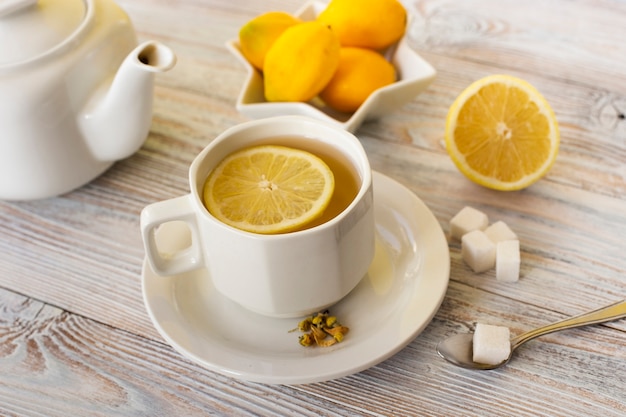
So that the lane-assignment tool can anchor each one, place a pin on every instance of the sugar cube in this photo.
(467, 220)
(500, 231)
(507, 261)
(491, 344)
(478, 251)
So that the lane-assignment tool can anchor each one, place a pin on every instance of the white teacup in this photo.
(281, 275)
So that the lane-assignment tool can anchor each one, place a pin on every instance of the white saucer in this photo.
(395, 301)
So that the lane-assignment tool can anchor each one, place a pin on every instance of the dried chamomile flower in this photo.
(305, 325)
(306, 339)
(318, 328)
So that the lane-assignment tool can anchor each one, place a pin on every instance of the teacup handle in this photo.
(153, 216)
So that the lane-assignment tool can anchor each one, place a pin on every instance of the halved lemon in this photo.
(501, 133)
(269, 189)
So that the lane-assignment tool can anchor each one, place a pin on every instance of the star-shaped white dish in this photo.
(414, 75)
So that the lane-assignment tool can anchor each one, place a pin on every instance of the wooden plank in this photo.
(49, 356)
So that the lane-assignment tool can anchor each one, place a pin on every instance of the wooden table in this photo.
(75, 338)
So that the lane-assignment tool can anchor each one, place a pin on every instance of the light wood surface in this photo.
(75, 337)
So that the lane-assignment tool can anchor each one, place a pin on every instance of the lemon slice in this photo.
(501, 133)
(269, 189)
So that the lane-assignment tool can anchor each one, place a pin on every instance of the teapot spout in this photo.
(117, 118)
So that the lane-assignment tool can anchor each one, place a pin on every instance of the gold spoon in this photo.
(458, 349)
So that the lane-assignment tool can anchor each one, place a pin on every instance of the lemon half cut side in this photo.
(501, 133)
(269, 189)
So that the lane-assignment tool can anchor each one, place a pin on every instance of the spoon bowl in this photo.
(458, 349)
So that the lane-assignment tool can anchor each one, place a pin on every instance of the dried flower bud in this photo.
(306, 339)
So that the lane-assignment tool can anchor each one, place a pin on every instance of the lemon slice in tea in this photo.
(501, 133)
(269, 189)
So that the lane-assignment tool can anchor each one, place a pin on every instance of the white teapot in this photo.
(75, 93)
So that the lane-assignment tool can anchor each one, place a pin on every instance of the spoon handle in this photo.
(601, 315)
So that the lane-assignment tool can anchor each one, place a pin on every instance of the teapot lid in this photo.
(32, 28)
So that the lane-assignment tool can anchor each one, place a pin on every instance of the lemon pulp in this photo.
(501, 133)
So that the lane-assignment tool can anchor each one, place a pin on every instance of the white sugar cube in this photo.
(491, 344)
(467, 220)
(478, 251)
(507, 261)
(500, 231)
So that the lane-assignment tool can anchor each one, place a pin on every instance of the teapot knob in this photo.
(10, 6)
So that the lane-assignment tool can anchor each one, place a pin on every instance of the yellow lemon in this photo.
(373, 24)
(258, 35)
(360, 72)
(501, 133)
(300, 62)
(269, 189)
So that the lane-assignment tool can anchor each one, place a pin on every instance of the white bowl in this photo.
(414, 75)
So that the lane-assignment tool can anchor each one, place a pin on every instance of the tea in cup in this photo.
(290, 273)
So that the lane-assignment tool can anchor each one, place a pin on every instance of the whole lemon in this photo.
(360, 72)
(373, 24)
(300, 62)
(258, 35)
